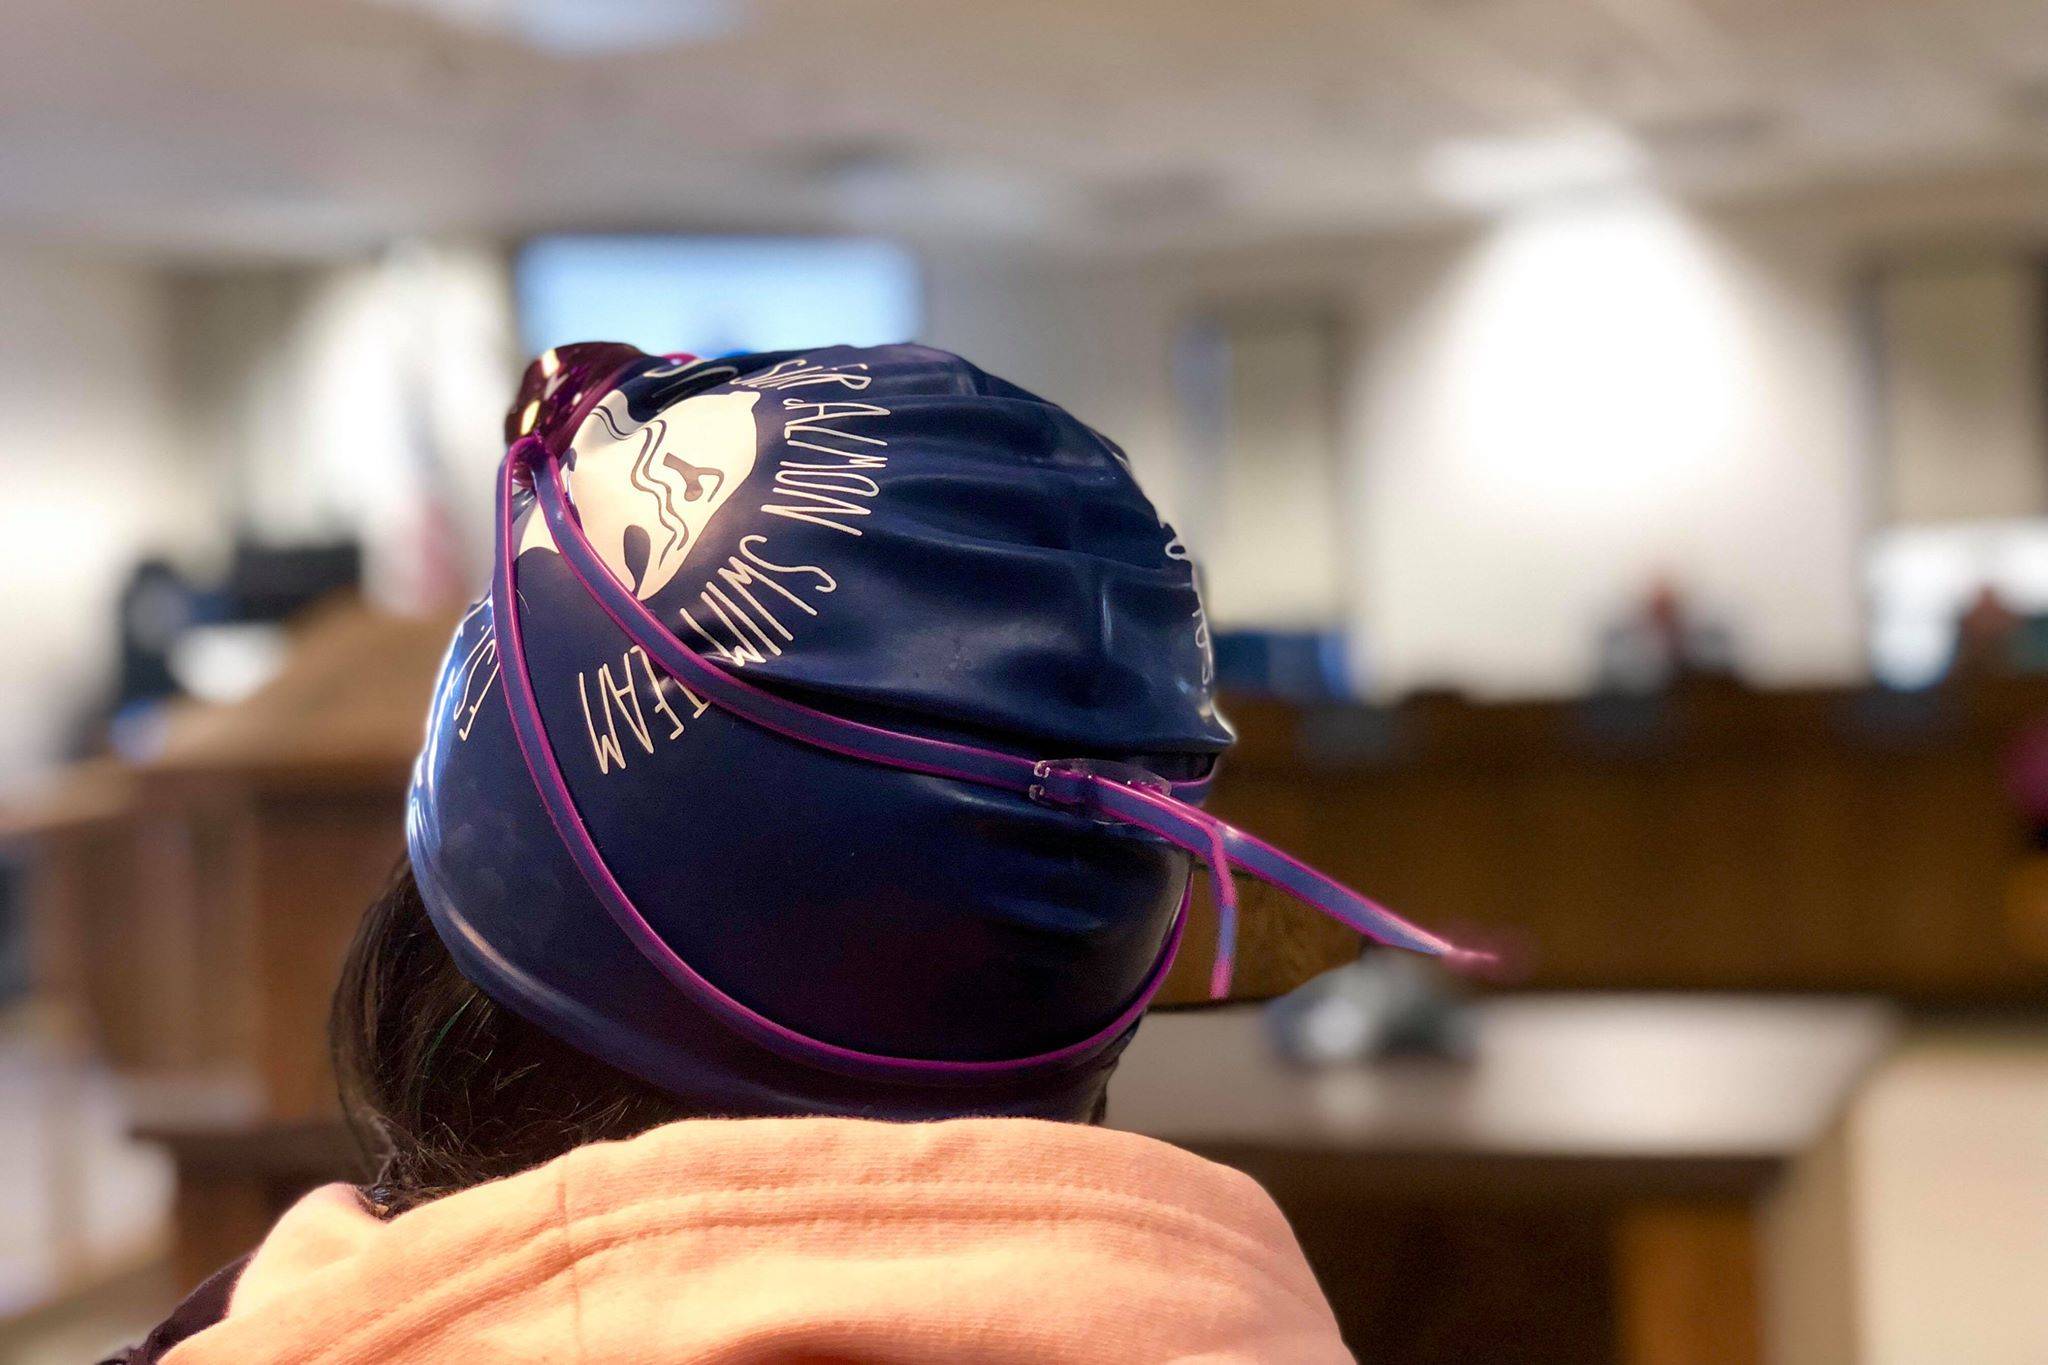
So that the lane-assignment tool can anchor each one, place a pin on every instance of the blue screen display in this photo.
(715, 295)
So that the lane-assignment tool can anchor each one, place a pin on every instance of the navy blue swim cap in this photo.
(891, 535)
(832, 739)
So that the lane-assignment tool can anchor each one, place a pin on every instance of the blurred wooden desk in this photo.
(1644, 1179)
(1710, 838)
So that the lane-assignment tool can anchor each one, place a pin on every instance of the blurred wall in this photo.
(1538, 416)
(1962, 353)
(156, 409)
(1579, 402)
(1541, 416)
(98, 473)
(359, 399)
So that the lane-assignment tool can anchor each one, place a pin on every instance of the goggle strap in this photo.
(1102, 790)
(537, 751)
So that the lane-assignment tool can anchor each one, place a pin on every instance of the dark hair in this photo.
(445, 1089)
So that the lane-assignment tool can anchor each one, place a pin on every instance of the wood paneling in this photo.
(1710, 839)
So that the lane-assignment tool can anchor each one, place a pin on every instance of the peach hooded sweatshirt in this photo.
(806, 1239)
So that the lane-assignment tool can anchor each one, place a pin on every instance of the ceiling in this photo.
(233, 126)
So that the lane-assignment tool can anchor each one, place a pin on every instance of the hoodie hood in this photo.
(797, 1239)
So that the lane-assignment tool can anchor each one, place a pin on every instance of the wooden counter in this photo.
(1715, 838)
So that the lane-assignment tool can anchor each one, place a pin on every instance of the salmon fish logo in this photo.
(646, 491)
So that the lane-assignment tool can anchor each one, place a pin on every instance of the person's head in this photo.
(830, 741)
(888, 536)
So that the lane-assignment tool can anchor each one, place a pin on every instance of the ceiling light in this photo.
(587, 28)
(1492, 172)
